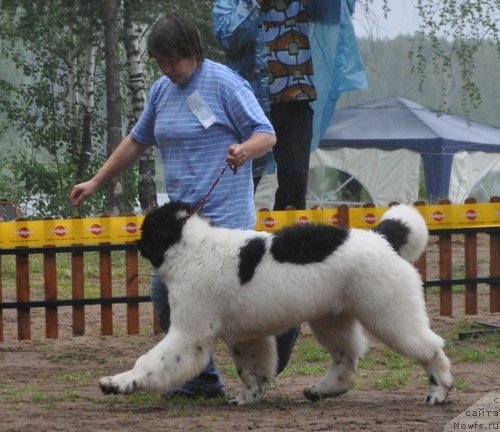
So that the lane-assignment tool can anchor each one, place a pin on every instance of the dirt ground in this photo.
(51, 385)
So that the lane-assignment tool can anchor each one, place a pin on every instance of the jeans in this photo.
(292, 122)
(159, 297)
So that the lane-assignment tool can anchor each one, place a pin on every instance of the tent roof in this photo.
(394, 122)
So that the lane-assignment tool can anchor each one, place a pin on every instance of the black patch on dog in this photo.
(395, 231)
(433, 380)
(250, 256)
(308, 243)
(161, 229)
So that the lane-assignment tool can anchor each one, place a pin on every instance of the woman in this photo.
(199, 115)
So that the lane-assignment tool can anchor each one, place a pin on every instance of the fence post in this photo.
(77, 290)
(132, 275)
(106, 292)
(23, 295)
(445, 271)
(495, 266)
(50, 281)
(470, 268)
(343, 215)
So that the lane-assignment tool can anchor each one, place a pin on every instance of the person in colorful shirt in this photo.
(200, 114)
(266, 41)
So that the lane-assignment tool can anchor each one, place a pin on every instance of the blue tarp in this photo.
(338, 66)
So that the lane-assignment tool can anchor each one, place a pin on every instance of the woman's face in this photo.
(179, 71)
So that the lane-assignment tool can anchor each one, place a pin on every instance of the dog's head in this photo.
(161, 229)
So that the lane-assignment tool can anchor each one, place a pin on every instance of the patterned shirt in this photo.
(289, 54)
(193, 125)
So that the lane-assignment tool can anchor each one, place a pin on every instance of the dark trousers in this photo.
(292, 122)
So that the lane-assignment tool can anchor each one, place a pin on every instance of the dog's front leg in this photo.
(177, 358)
(256, 363)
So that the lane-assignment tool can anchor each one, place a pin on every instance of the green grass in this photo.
(141, 398)
(488, 349)
(483, 348)
(309, 358)
(77, 377)
(461, 384)
(45, 398)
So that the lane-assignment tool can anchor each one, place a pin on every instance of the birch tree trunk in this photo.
(115, 199)
(73, 103)
(88, 114)
(136, 99)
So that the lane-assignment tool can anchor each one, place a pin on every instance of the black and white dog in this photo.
(245, 286)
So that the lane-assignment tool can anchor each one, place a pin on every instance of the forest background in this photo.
(74, 78)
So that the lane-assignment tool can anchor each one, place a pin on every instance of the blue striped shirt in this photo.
(194, 156)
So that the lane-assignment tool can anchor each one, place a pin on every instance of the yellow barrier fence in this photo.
(126, 229)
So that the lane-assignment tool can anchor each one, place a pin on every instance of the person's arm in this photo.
(127, 152)
(235, 23)
(256, 146)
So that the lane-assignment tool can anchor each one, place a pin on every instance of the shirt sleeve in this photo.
(245, 113)
(143, 131)
(235, 23)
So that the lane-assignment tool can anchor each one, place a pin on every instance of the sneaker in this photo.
(205, 386)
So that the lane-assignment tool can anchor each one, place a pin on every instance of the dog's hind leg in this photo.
(256, 363)
(176, 359)
(343, 337)
(402, 324)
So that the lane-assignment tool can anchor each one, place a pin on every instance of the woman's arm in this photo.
(127, 152)
(235, 23)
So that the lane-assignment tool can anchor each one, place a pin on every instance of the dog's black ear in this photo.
(161, 229)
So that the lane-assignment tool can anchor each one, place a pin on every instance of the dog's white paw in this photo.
(117, 384)
(439, 387)
(437, 395)
(250, 394)
(235, 400)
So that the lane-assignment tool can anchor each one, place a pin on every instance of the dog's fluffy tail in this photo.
(404, 228)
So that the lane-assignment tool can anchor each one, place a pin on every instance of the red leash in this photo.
(199, 206)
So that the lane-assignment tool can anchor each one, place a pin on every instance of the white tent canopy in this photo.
(393, 175)
(384, 144)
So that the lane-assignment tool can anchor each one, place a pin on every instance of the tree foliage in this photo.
(451, 34)
(62, 129)
(390, 73)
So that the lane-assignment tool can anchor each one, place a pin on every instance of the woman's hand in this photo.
(82, 191)
(256, 146)
(237, 155)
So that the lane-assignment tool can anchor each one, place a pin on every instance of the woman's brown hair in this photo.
(175, 37)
